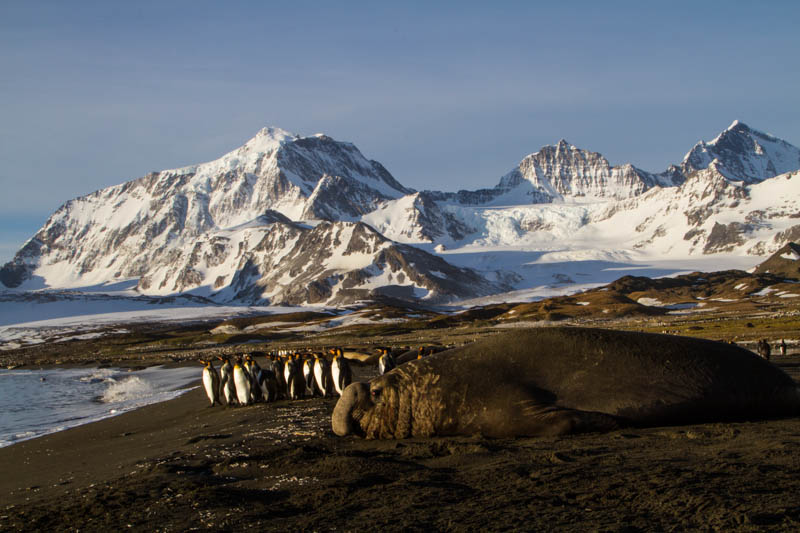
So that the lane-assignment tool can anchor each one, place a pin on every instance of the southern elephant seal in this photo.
(550, 381)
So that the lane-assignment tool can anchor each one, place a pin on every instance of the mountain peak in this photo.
(737, 130)
(564, 170)
(743, 154)
(564, 145)
(274, 133)
(736, 125)
(270, 138)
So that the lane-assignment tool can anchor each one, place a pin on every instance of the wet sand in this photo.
(181, 465)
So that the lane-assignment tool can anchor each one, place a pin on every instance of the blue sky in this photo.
(447, 97)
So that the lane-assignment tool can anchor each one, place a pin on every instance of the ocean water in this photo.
(37, 402)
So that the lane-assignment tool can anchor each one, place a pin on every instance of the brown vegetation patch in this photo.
(301, 317)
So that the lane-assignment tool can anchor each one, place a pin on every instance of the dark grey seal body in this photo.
(550, 381)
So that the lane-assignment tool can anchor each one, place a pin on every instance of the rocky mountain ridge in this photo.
(265, 222)
(743, 154)
(585, 184)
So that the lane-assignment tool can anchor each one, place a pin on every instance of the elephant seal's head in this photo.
(403, 403)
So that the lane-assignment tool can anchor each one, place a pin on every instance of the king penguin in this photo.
(322, 376)
(211, 382)
(295, 385)
(253, 371)
(386, 361)
(226, 381)
(340, 372)
(279, 365)
(242, 381)
(268, 382)
(308, 376)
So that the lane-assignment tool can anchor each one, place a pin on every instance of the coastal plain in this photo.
(181, 465)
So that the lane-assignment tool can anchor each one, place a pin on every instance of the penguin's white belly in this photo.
(242, 386)
(230, 391)
(336, 374)
(318, 377)
(208, 384)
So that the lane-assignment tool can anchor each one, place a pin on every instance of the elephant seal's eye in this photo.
(376, 392)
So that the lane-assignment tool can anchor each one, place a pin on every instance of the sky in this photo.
(446, 95)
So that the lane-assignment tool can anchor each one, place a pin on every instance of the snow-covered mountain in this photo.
(743, 154)
(560, 189)
(225, 229)
(710, 215)
(127, 230)
(291, 220)
(565, 171)
(285, 263)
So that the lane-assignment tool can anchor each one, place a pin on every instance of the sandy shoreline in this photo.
(179, 465)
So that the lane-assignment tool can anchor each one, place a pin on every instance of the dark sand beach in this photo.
(180, 465)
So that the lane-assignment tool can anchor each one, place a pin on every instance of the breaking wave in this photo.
(85, 395)
(126, 390)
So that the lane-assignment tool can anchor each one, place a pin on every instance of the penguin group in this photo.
(240, 380)
(388, 361)
(290, 375)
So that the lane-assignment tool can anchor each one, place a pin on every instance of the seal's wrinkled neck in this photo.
(380, 409)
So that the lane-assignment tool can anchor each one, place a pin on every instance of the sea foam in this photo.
(129, 389)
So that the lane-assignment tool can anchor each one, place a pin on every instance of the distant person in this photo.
(764, 349)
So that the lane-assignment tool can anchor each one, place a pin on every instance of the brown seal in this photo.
(550, 381)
